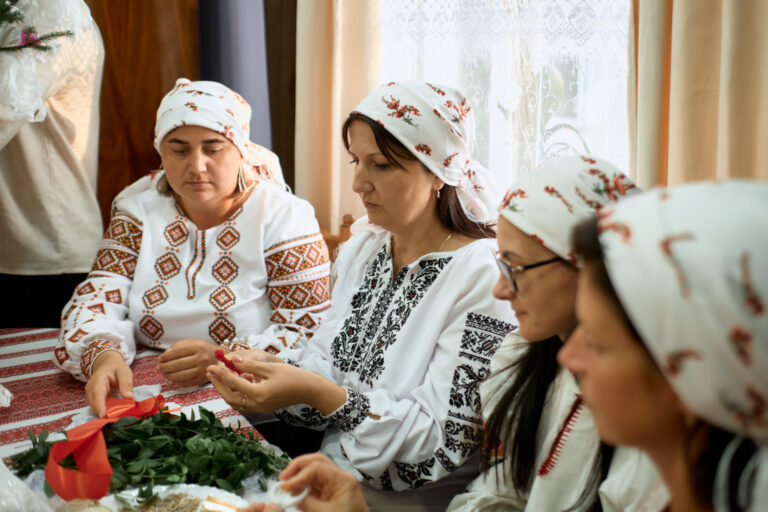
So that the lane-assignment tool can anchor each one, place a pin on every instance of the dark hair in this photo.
(449, 209)
(515, 418)
(703, 464)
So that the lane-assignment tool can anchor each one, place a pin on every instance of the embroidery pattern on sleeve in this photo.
(307, 417)
(352, 413)
(298, 286)
(463, 428)
(121, 245)
(92, 351)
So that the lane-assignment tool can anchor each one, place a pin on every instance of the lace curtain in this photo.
(546, 77)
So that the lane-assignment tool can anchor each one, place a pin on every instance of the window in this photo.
(545, 77)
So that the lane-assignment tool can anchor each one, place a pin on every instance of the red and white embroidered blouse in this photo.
(260, 276)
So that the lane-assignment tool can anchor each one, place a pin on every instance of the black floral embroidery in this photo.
(385, 481)
(344, 347)
(414, 474)
(352, 413)
(307, 417)
(463, 428)
(360, 345)
(489, 325)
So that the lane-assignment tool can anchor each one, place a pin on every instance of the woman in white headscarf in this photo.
(392, 376)
(672, 348)
(541, 450)
(210, 252)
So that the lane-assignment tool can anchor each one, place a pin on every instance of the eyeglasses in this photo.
(509, 271)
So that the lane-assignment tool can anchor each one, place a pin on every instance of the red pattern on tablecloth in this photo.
(25, 338)
(21, 369)
(19, 434)
(25, 353)
(38, 400)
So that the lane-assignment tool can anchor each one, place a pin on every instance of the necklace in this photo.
(395, 264)
(445, 241)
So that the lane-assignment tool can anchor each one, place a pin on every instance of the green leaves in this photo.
(24, 463)
(165, 449)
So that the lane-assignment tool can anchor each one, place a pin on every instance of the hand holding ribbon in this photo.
(87, 445)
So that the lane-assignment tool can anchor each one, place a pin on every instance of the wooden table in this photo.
(45, 398)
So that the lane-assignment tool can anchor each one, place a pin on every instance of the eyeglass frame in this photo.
(508, 270)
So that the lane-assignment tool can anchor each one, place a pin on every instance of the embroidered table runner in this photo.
(44, 398)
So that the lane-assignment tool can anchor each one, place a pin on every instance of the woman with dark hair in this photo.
(541, 450)
(672, 348)
(392, 375)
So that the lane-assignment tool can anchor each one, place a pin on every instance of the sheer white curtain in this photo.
(545, 77)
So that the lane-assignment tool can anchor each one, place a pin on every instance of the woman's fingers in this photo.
(176, 364)
(96, 392)
(228, 394)
(124, 377)
(294, 475)
(256, 368)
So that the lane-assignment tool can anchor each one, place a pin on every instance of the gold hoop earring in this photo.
(438, 193)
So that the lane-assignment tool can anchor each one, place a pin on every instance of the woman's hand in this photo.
(109, 374)
(274, 386)
(185, 362)
(255, 355)
(331, 489)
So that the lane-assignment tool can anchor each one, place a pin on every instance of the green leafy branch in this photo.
(164, 449)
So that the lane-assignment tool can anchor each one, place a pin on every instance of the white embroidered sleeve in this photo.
(95, 318)
(298, 269)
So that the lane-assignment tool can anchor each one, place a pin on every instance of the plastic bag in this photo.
(15, 496)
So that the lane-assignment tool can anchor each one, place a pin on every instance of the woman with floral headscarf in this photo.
(392, 375)
(672, 348)
(541, 450)
(211, 252)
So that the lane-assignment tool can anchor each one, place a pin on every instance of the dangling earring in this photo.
(438, 193)
(241, 185)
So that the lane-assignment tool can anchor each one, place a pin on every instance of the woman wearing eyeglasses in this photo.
(542, 451)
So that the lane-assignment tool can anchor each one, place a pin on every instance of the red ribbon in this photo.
(86, 444)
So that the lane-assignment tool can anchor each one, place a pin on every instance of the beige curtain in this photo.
(337, 49)
(698, 90)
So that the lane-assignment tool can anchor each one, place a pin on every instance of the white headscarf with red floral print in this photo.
(690, 266)
(547, 202)
(215, 106)
(437, 125)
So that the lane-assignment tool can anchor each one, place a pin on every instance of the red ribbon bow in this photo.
(86, 444)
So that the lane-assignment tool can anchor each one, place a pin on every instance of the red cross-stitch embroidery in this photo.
(154, 296)
(125, 230)
(299, 295)
(151, 328)
(296, 259)
(225, 270)
(115, 261)
(114, 296)
(167, 266)
(228, 238)
(221, 329)
(176, 233)
(222, 298)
